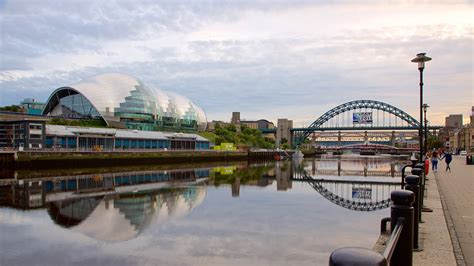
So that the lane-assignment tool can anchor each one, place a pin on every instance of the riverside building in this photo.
(30, 135)
(122, 101)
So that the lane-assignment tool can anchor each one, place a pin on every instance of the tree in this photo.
(434, 142)
(11, 108)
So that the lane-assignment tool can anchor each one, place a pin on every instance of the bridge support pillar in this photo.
(366, 137)
(339, 138)
(283, 133)
(392, 138)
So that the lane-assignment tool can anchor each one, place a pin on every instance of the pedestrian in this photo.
(434, 161)
(448, 158)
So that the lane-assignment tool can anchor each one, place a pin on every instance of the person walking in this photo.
(448, 157)
(434, 161)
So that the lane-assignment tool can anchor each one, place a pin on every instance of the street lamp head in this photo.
(421, 58)
(425, 106)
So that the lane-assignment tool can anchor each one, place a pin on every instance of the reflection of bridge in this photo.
(364, 167)
(358, 195)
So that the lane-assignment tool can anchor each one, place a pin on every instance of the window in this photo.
(35, 136)
(35, 126)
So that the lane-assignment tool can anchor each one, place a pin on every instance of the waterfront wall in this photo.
(67, 159)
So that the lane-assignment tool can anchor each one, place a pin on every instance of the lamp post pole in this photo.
(421, 59)
(425, 107)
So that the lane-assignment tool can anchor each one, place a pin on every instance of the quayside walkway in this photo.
(447, 233)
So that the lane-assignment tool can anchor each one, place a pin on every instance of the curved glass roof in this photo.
(116, 95)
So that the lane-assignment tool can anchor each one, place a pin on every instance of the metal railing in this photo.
(399, 249)
(393, 241)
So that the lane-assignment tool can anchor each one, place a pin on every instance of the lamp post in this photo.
(425, 107)
(421, 59)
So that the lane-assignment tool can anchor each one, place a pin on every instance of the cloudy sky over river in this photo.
(267, 59)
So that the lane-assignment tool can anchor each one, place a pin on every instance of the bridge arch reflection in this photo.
(356, 195)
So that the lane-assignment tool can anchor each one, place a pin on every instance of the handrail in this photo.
(393, 241)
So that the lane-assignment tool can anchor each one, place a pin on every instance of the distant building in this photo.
(211, 126)
(32, 106)
(453, 121)
(235, 120)
(258, 124)
(459, 137)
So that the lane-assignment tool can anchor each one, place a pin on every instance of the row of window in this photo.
(125, 180)
(108, 143)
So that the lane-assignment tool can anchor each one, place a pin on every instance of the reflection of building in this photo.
(124, 216)
(54, 189)
(283, 174)
(24, 195)
(123, 101)
(111, 206)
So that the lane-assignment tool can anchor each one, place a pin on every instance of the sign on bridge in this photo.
(362, 118)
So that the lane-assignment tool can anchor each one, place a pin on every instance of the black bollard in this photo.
(420, 172)
(357, 257)
(402, 201)
(413, 182)
(417, 171)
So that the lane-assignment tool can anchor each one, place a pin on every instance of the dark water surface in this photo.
(229, 214)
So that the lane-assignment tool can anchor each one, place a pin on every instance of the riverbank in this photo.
(78, 159)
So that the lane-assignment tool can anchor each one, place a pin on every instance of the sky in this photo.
(266, 59)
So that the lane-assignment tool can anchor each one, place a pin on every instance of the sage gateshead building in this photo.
(122, 101)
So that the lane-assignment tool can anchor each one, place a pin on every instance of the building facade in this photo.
(22, 134)
(32, 106)
(459, 137)
(27, 135)
(123, 101)
(454, 121)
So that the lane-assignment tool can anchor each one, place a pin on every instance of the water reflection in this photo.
(360, 166)
(124, 216)
(198, 216)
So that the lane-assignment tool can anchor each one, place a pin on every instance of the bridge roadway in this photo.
(335, 172)
(362, 128)
(334, 181)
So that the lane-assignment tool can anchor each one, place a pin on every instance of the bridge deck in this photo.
(335, 181)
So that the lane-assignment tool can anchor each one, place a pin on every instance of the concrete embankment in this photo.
(66, 159)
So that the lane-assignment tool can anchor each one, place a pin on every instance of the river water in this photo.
(268, 213)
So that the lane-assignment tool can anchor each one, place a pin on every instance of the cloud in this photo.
(269, 59)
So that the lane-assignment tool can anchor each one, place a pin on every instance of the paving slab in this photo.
(457, 191)
(434, 235)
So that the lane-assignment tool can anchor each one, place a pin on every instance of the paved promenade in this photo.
(457, 193)
(447, 234)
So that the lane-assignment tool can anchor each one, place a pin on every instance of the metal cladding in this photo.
(116, 97)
